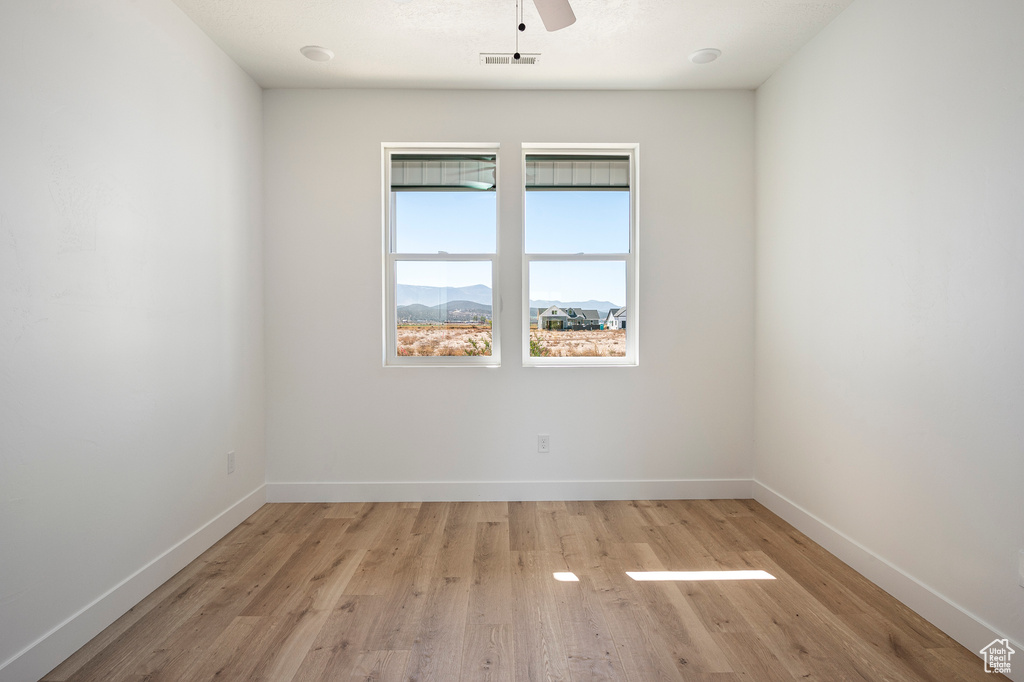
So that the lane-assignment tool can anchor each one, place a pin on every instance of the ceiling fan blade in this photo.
(555, 14)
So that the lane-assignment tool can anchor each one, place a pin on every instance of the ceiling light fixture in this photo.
(317, 53)
(705, 56)
(556, 14)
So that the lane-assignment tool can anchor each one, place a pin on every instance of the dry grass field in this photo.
(596, 343)
(449, 340)
(454, 340)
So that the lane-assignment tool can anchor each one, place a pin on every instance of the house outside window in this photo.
(580, 260)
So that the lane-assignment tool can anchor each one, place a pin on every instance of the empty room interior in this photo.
(219, 461)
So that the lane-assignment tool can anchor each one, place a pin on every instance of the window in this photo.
(579, 255)
(441, 237)
(580, 260)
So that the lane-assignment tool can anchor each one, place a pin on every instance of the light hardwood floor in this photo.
(464, 591)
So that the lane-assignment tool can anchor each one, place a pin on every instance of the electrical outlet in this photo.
(231, 462)
(1020, 568)
(543, 444)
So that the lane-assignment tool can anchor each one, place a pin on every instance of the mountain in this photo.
(410, 294)
(463, 298)
(417, 313)
(453, 311)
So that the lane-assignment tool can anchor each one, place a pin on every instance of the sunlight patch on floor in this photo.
(700, 575)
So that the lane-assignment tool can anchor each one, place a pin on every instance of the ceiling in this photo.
(614, 44)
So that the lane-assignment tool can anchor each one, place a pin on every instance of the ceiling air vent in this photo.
(506, 58)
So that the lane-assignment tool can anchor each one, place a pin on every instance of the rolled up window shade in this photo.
(544, 172)
(427, 172)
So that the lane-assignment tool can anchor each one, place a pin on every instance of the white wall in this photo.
(335, 415)
(890, 292)
(889, 307)
(130, 308)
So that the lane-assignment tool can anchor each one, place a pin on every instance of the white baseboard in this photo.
(500, 491)
(51, 649)
(954, 620)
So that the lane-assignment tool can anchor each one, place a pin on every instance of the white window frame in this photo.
(631, 259)
(390, 257)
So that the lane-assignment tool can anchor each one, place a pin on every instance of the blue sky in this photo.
(578, 281)
(574, 222)
(456, 222)
(556, 222)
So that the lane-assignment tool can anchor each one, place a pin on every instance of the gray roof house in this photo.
(616, 318)
(557, 317)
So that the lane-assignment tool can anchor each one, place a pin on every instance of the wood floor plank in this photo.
(522, 526)
(379, 666)
(285, 585)
(589, 646)
(751, 657)
(586, 551)
(679, 550)
(904, 650)
(734, 508)
(670, 614)
(344, 510)
(224, 659)
(375, 574)
(341, 641)
(283, 659)
(451, 591)
(262, 523)
(492, 511)
(435, 654)
(640, 649)
(715, 532)
(616, 521)
(455, 556)
(397, 622)
(487, 654)
(491, 586)
(441, 630)
(591, 652)
(832, 593)
(583, 559)
(953, 665)
(431, 517)
(655, 512)
(298, 518)
(550, 516)
(365, 530)
(539, 645)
